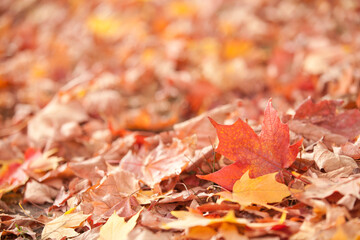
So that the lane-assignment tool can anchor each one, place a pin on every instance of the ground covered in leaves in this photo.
(153, 119)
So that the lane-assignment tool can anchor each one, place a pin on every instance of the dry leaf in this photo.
(39, 193)
(159, 164)
(330, 161)
(351, 149)
(116, 228)
(321, 188)
(46, 124)
(261, 190)
(323, 114)
(187, 220)
(63, 226)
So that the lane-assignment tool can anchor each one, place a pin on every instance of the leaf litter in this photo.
(105, 130)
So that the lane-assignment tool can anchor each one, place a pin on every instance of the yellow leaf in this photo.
(63, 226)
(116, 228)
(187, 220)
(201, 232)
(104, 26)
(235, 48)
(230, 232)
(182, 9)
(339, 235)
(261, 190)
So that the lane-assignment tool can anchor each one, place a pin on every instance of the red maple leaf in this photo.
(260, 154)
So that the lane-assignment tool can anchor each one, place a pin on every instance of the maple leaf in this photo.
(117, 228)
(64, 226)
(187, 220)
(260, 154)
(261, 190)
(160, 163)
(113, 193)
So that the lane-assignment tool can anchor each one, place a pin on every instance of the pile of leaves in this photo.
(151, 119)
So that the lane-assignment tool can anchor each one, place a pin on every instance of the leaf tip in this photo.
(213, 122)
(269, 105)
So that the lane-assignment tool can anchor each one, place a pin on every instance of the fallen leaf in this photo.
(261, 190)
(39, 193)
(46, 124)
(201, 233)
(338, 173)
(321, 188)
(92, 169)
(41, 162)
(116, 228)
(113, 193)
(12, 175)
(330, 161)
(324, 114)
(200, 125)
(316, 133)
(188, 220)
(104, 26)
(161, 163)
(351, 149)
(230, 232)
(330, 227)
(63, 226)
(236, 48)
(317, 112)
(15, 173)
(269, 152)
(102, 103)
(141, 233)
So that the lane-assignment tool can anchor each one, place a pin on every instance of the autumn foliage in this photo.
(150, 119)
(269, 152)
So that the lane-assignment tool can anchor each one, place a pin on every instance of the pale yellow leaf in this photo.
(63, 226)
(116, 228)
(103, 26)
(229, 232)
(187, 220)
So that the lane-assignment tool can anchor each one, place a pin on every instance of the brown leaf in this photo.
(39, 193)
(92, 169)
(315, 133)
(161, 163)
(45, 125)
(330, 161)
(323, 114)
(200, 125)
(351, 149)
(320, 188)
(112, 194)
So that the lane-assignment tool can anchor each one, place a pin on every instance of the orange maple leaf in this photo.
(260, 154)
